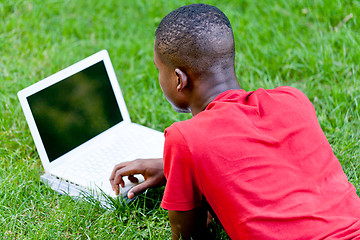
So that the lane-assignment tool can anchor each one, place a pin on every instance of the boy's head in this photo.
(194, 52)
(195, 37)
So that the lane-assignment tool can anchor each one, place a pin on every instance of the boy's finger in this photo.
(117, 179)
(138, 189)
(118, 167)
(129, 170)
(116, 188)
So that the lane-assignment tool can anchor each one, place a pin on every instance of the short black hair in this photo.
(195, 37)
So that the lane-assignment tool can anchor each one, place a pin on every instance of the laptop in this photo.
(82, 129)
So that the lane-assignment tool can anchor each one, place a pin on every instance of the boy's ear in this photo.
(182, 79)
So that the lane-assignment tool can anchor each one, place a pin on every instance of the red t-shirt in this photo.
(265, 167)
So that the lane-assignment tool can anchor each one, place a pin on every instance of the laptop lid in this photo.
(72, 106)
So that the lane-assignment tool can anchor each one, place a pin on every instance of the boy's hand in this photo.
(151, 169)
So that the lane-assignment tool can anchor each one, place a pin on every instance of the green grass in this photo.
(311, 45)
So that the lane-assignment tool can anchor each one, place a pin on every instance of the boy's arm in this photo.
(189, 224)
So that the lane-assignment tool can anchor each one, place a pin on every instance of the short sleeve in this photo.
(182, 192)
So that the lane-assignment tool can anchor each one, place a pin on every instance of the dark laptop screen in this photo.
(74, 110)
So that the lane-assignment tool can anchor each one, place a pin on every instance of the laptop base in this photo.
(64, 187)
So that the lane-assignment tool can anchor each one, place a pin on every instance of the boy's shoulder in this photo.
(240, 95)
(222, 108)
(290, 90)
(219, 107)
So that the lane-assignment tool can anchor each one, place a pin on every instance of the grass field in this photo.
(311, 45)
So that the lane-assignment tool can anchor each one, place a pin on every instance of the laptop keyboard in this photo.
(96, 164)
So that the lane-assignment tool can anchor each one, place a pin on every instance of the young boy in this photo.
(259, 159)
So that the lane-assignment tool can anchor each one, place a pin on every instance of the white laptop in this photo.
(81, 128)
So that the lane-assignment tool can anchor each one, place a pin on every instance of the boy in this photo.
(259, 159)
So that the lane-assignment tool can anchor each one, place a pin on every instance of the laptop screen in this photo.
(74, 110)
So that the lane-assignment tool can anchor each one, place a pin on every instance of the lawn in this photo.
(310, 45)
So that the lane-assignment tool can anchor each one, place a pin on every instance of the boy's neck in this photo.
(209, 86)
